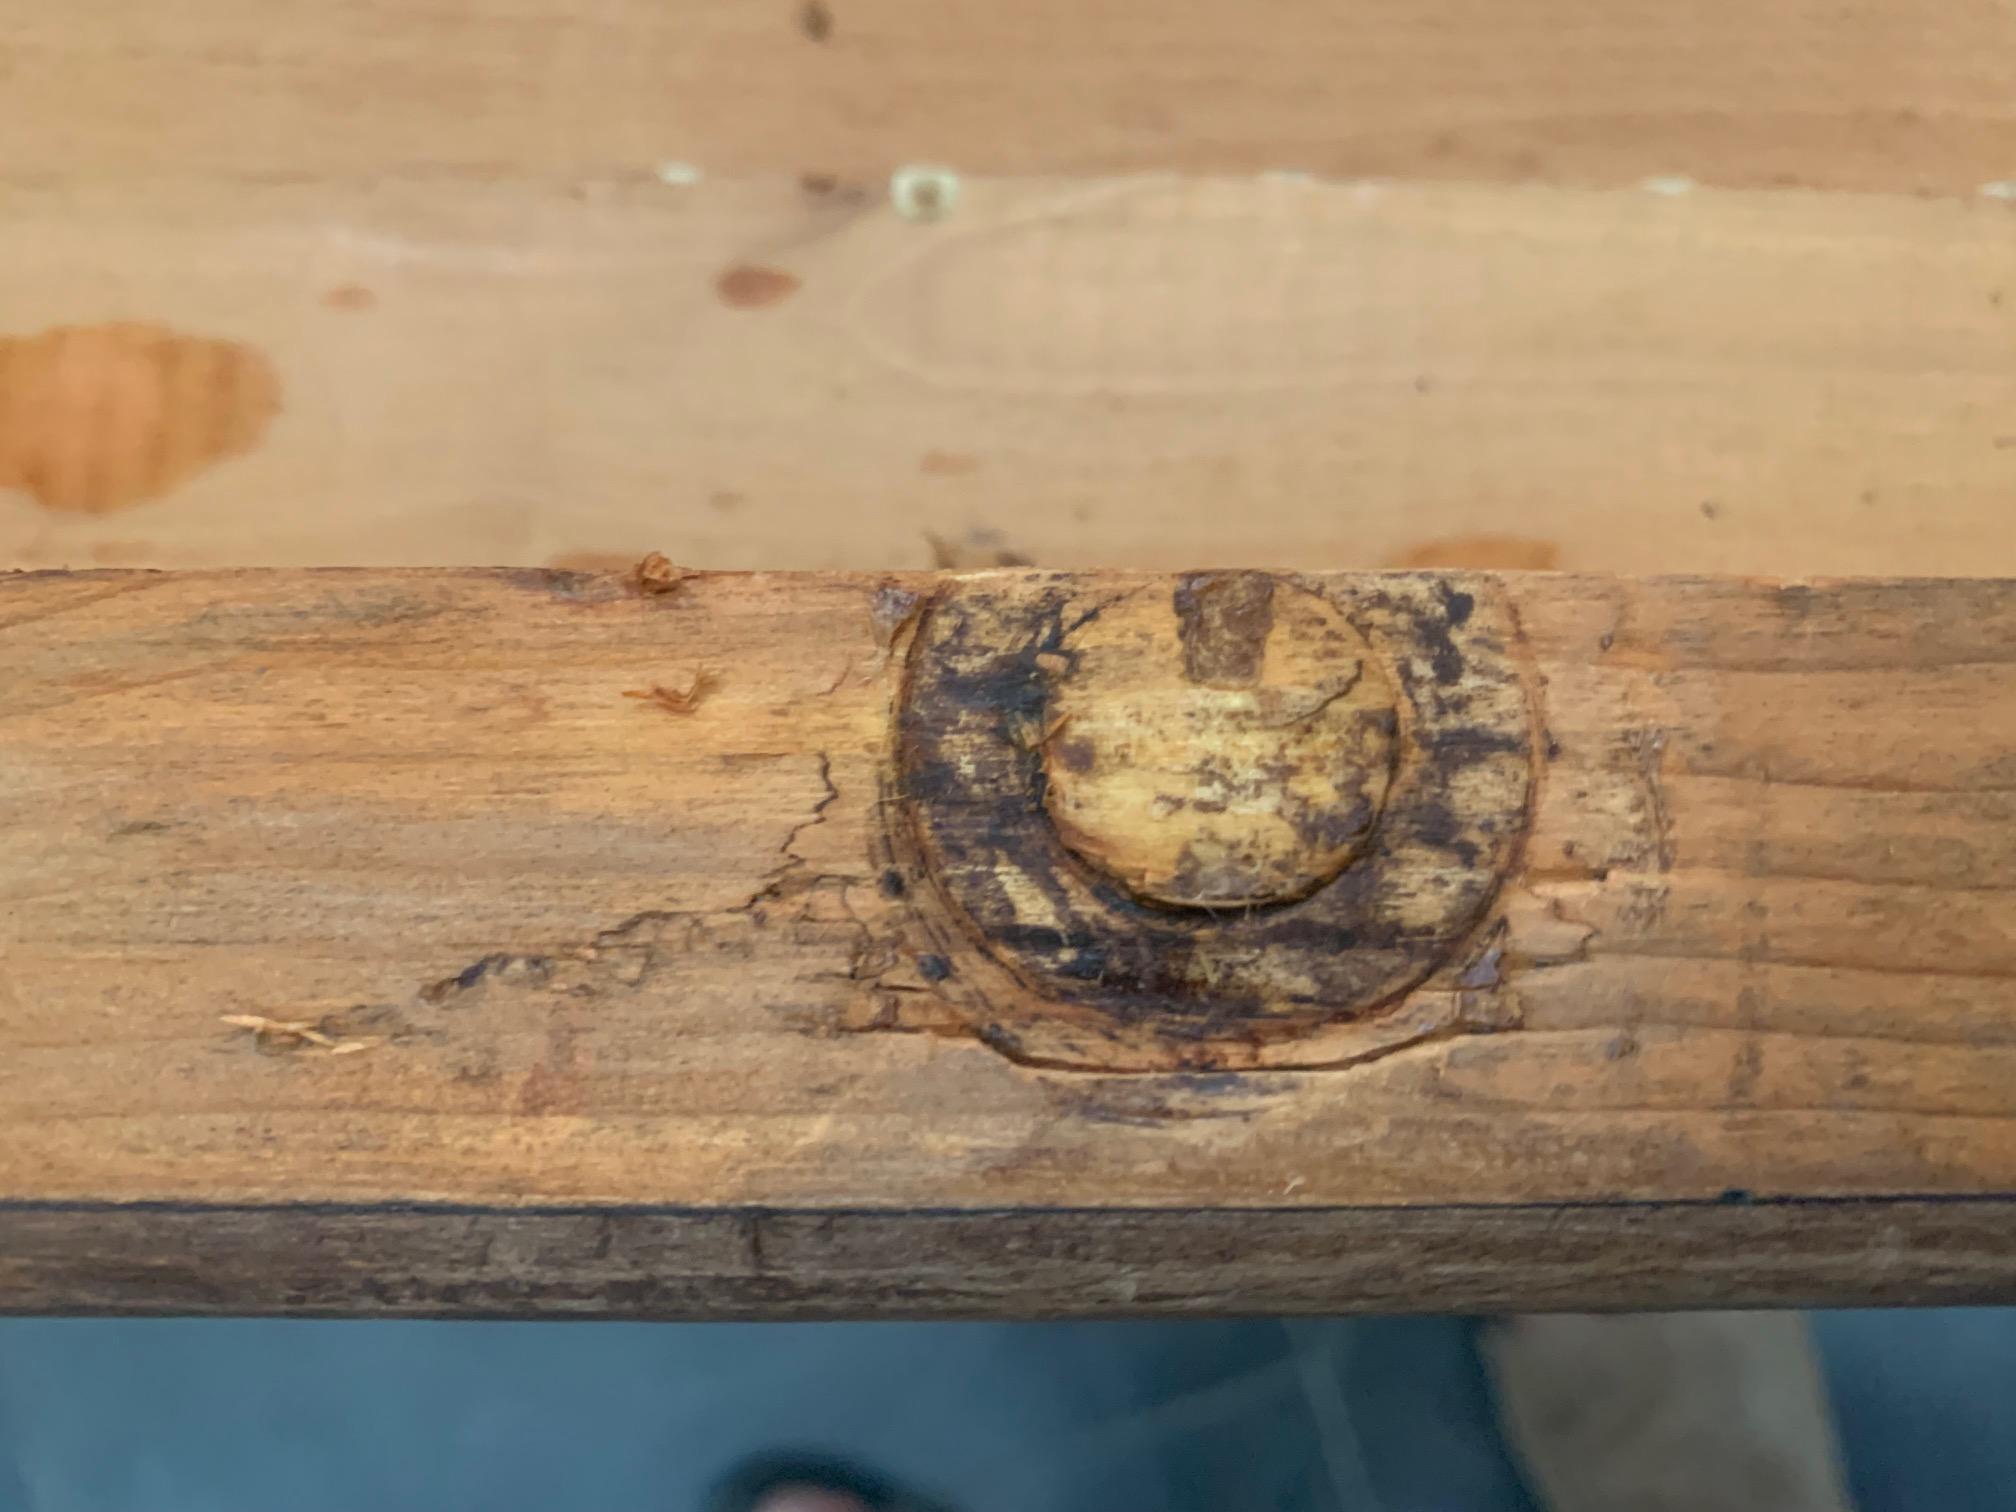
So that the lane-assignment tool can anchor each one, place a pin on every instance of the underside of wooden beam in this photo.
(1016, 942)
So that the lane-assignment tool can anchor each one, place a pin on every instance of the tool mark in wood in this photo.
(1234, 824)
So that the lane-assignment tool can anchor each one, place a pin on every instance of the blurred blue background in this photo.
(1387, 1415)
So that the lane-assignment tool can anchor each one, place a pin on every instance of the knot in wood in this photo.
(1226, 746)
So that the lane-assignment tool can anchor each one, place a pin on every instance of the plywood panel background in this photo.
(1163, 372)
(1606, 287)
(1885, 95)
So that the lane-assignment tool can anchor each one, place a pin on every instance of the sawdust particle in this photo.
(272, 1033)
(657, 574)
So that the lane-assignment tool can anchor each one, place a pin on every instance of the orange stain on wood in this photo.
(1483, 553)
(944, 464)
(350, 297)
(749, 287)
(96, 418)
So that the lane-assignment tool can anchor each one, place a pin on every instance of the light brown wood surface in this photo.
(1160, 373)
(377, 888)
(1760, 92)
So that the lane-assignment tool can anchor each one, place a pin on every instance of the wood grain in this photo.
(1148, 373)
(374, 889)
(1752, 92)
(437, 1261)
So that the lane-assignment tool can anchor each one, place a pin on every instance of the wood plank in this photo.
(1153, 373)
(1751, 92)
(375, 889)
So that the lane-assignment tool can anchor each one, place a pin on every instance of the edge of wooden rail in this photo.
(445, 1260)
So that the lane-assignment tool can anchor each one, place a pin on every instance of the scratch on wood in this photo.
(1650, 748)
(678, 700)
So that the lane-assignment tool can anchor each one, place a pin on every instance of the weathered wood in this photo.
(367, 908)
(395, 1260)
(752, 375)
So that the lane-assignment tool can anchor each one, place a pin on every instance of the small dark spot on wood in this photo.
(1424, 383)
(815, 19)
(749, 287)
(1457, 606)
(893, 885)
(1710, 509)
(1213, 1083)
(1623, 1045)
(1150, 1102)
(1736, 1197)
(1437, 824)
(1484, 973)
(1748, 1069)
(1225, 619)
(350, 297)
(933, 968)
(1796, 601)
(140, 827)
(501, 965)
(980, 548)
(889, 611)
(1553, 747)
(1004, 1041)
(819, 183)
(1075, 755)
(1605, 641)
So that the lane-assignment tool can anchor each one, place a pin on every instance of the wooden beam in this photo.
(676, 944)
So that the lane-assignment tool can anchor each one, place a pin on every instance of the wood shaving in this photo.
(300, 1032)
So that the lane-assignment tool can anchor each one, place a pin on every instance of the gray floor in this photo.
(1383, 1415)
